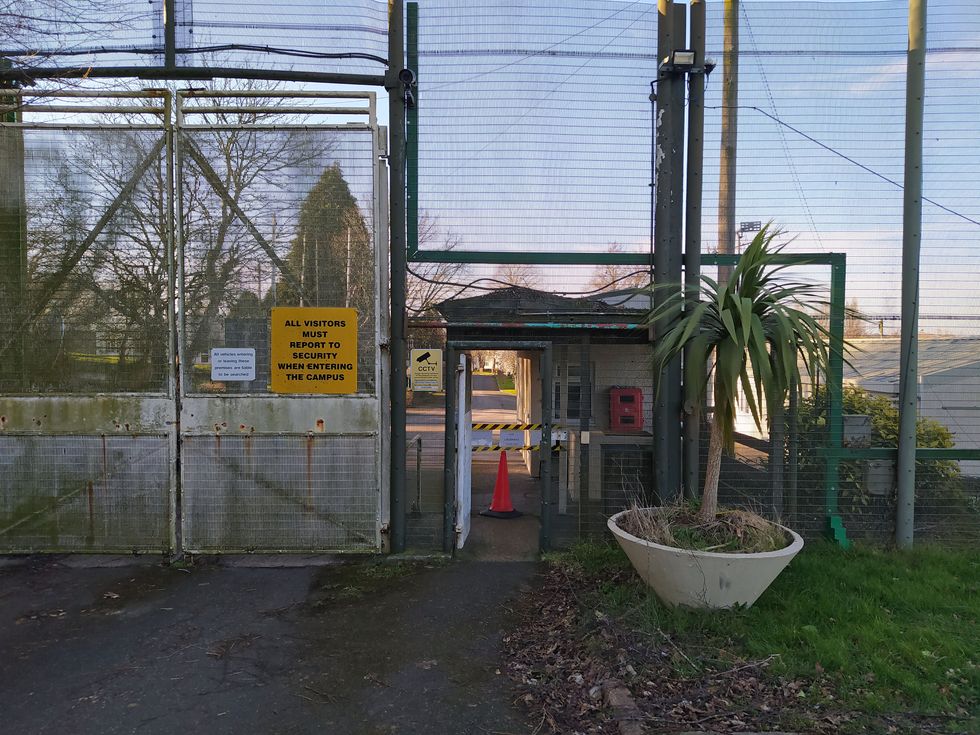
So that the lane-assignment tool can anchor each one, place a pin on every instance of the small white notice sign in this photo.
(233, 364)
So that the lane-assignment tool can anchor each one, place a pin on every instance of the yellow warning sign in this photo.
(427, 370)
(313, 350)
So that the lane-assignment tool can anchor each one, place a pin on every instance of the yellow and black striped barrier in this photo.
(510, 427)
(499, 448)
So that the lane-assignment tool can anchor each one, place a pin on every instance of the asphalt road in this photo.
(365, 649)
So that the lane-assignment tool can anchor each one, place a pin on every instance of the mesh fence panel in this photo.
(83, 32)
(340, 37)
(84, 272)
(309, 195)
(85, 493)
(290, 492)
(546, 113)
(535, 131)
(562, 165)
(425, 459)
(349, 36)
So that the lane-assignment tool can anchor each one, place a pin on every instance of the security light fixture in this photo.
(680, 61)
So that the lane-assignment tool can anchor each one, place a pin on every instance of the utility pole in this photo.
(729, 138)
(908, 391)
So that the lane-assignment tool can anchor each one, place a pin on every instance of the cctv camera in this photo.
(406, 77)
(709, 65)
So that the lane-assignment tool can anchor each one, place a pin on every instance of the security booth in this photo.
(582, 373)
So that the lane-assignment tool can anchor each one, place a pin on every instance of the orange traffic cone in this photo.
(500, 506)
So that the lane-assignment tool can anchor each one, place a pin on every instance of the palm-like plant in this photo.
(754, 332)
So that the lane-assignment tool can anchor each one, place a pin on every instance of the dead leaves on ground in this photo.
(562, 651)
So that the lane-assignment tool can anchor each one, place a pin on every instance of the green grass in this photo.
(887, 631)
(99, 359)
(506, 383)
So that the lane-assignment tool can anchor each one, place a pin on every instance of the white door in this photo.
(464, 450)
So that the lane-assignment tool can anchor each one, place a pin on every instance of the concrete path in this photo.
(490, 539)
(357, 649)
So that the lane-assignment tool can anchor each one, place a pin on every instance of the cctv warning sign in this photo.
(426, 370)
(313, 350)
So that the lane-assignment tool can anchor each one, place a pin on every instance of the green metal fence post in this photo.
(835, 398)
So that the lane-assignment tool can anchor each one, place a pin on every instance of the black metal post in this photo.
(668, 158)
(396, 161)
(693, 408)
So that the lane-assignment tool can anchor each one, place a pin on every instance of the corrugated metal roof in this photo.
(876, 359)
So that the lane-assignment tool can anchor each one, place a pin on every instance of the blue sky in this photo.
(536, 126)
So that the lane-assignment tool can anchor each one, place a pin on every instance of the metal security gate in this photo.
(140, 231)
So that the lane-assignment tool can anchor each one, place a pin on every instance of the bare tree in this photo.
(610, 277)
(855, 325)
(430, 283)
(518, 274)
(233, 182)
(33, 32)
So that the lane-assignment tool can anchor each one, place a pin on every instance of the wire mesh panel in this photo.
(425, 457)
(534, 125)
(280, 493)
(82, 32)
(85, 493)
(603, 400)
(348, 37)
(279, 206)
(273, 214)
(820, 151)
(86, 389)
(84, 270)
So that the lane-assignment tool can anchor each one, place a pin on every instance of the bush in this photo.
(930, 475)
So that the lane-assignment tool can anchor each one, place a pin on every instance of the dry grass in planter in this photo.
(679, 526)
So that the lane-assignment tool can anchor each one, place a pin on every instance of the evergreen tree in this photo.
(331, 258)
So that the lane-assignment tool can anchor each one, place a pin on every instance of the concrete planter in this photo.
(704, 579)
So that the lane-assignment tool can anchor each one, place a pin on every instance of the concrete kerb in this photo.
(624, 710)
(630, 720)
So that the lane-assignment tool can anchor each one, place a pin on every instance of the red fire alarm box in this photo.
(626, 409)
